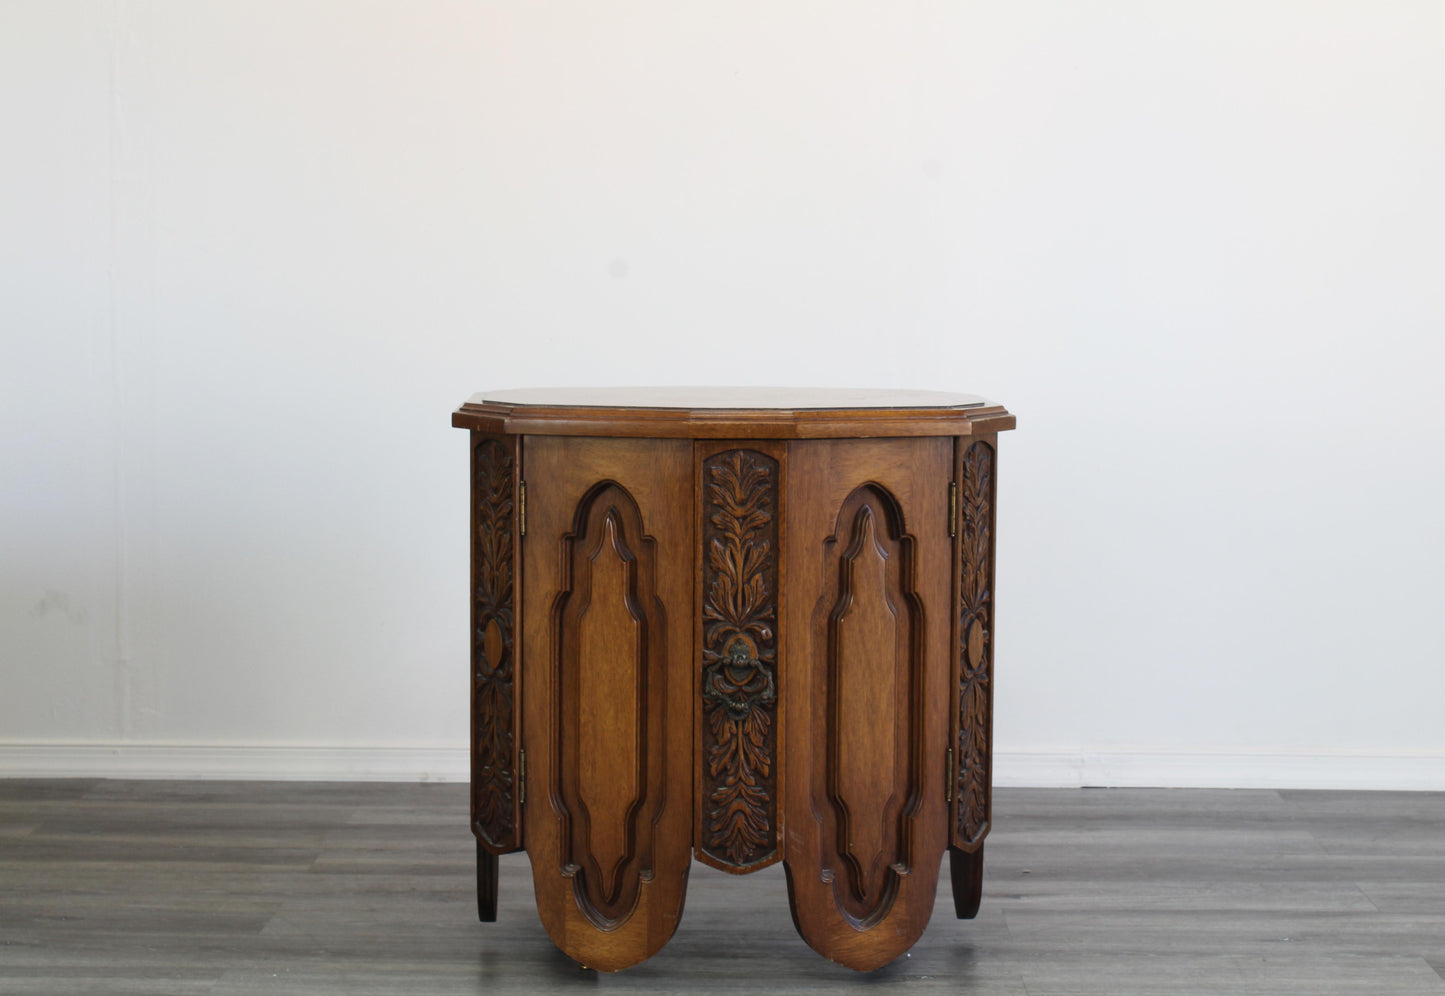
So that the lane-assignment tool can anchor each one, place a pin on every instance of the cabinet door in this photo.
(607, 667)
(865, 690)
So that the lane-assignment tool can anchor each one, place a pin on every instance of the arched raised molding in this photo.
(872, 639)
(608, 649)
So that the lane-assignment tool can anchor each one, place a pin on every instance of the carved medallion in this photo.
(971, 791)
(493, 779)
(739, 689)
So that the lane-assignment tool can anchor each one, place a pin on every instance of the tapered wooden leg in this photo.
(486, 885)
(966, 870)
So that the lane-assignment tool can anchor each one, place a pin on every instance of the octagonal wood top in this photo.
(731, 412)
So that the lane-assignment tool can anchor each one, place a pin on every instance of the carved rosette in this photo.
(493, 780)
(739, 688)
(972, 752)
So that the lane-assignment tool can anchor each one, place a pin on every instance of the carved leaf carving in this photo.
(739, 689)
(976, 651)
(492, 636)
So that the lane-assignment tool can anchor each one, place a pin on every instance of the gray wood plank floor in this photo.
(231, 888)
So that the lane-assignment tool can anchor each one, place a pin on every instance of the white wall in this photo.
(253, 253)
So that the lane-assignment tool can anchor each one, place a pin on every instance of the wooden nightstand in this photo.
(702, 616)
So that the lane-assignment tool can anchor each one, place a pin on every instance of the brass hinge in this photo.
(522, 507)
(953, 508)
(948, 776)
(522, 777)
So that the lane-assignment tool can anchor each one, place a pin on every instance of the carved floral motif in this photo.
(739, 688)
(493, 779)
(972, 752)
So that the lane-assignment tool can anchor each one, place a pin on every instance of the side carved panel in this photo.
(739, 666)
(610, 650)
(972, 749)
(493, 733)
(874, 711)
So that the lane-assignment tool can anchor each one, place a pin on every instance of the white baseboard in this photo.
(280, 763)
(1416, 772)
(1037, 769)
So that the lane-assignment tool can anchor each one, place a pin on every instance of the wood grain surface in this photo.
(739, 414)
(608, 713)
(865, 691)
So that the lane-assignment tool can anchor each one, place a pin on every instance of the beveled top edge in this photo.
(729, 399)
(909, 413)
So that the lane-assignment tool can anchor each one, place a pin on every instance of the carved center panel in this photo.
(739, 667)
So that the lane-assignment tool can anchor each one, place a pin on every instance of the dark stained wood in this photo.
(965, 869)
(608, 558)
(865, 691)
(495, 809)
(486, 884)
(759, 634)
(740, 518)
(972, 727)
